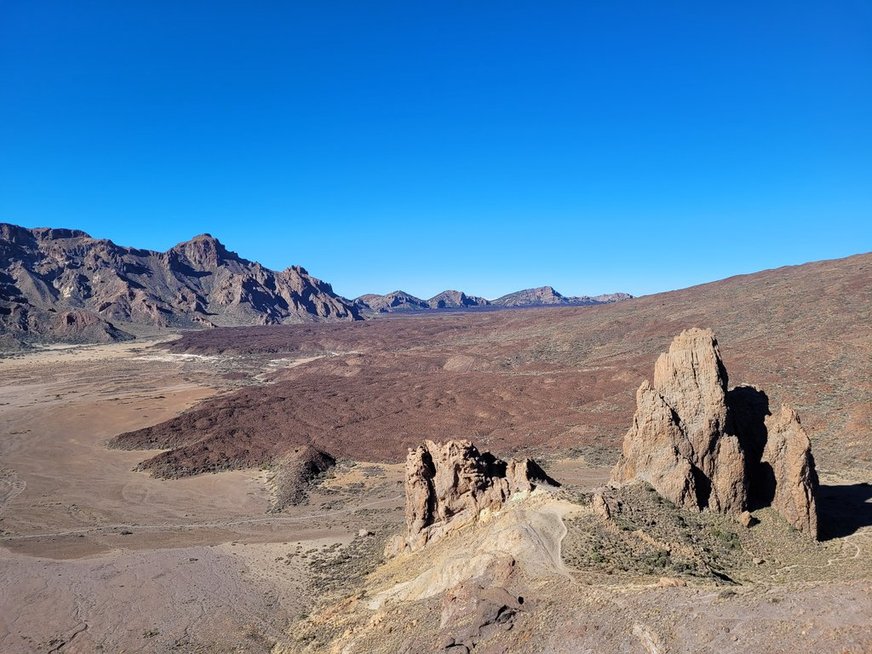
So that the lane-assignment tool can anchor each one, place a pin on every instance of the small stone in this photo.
(758, 561)
(746, 519)
(601, 507)
(364, 533)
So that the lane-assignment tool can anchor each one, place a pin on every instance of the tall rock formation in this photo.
(788, 455)
(449, 484)
(657, 450)
(702, 446)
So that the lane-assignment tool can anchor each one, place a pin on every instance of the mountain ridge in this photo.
(110, 288)
(401, 301)
(60, 284)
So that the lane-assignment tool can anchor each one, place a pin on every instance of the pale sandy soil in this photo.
(97, 557)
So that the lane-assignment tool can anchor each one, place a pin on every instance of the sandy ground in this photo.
(97, 557)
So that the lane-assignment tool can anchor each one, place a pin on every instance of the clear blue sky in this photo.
(486, 146)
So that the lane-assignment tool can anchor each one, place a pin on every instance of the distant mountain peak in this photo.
(198, 282)
(204, 251)
(547, 295)
(531, 297)
(452, 299)
(390, 302)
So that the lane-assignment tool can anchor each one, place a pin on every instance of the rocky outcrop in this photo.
(656, 450)
(389, 303)
(21, 324)
(546, 296)
(788, 456)
(294, 473)
(99, 287)
(703, 446)
(456, 300)
(449, 484)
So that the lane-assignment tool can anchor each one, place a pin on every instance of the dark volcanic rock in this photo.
(97, 285)
(22, 324)
(396, 301)
(295, 472)
(547, 296)
(456, 300)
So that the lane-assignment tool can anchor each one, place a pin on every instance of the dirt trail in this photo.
(215, 524)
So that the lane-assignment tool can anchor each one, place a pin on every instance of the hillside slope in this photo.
(543, 381)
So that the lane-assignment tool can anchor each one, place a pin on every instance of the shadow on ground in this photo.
(842, 510)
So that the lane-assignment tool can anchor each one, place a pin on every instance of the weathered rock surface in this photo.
(294, 473)
(546, 295)
(93, 285)
(449, 484)
(456, 300)
(389, 303)
(21, 323)
(702, 446)
(658, 451)
(788, 456)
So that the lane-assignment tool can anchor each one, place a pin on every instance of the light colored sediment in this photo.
(109, 557)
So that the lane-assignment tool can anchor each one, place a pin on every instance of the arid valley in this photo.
(160, 494)
(435, 328)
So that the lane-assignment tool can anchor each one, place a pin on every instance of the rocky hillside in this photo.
(389, 303)
(544, 296)
(399, 301)
(61, 284)
(456, 300)
(547, 296)
(64, 285)
(549, 380)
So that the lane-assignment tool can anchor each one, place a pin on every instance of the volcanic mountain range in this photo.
(64, 285)
(398, 301)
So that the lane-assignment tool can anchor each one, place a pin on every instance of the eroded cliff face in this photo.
(46, 272)
(702, 445)
(449, 484)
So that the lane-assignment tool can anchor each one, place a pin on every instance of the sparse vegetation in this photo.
(648, 535)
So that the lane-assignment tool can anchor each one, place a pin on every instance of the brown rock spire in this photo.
(449, 484)
(699, 445)
(788, 455)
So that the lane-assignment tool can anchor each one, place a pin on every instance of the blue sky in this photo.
(486, 146)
